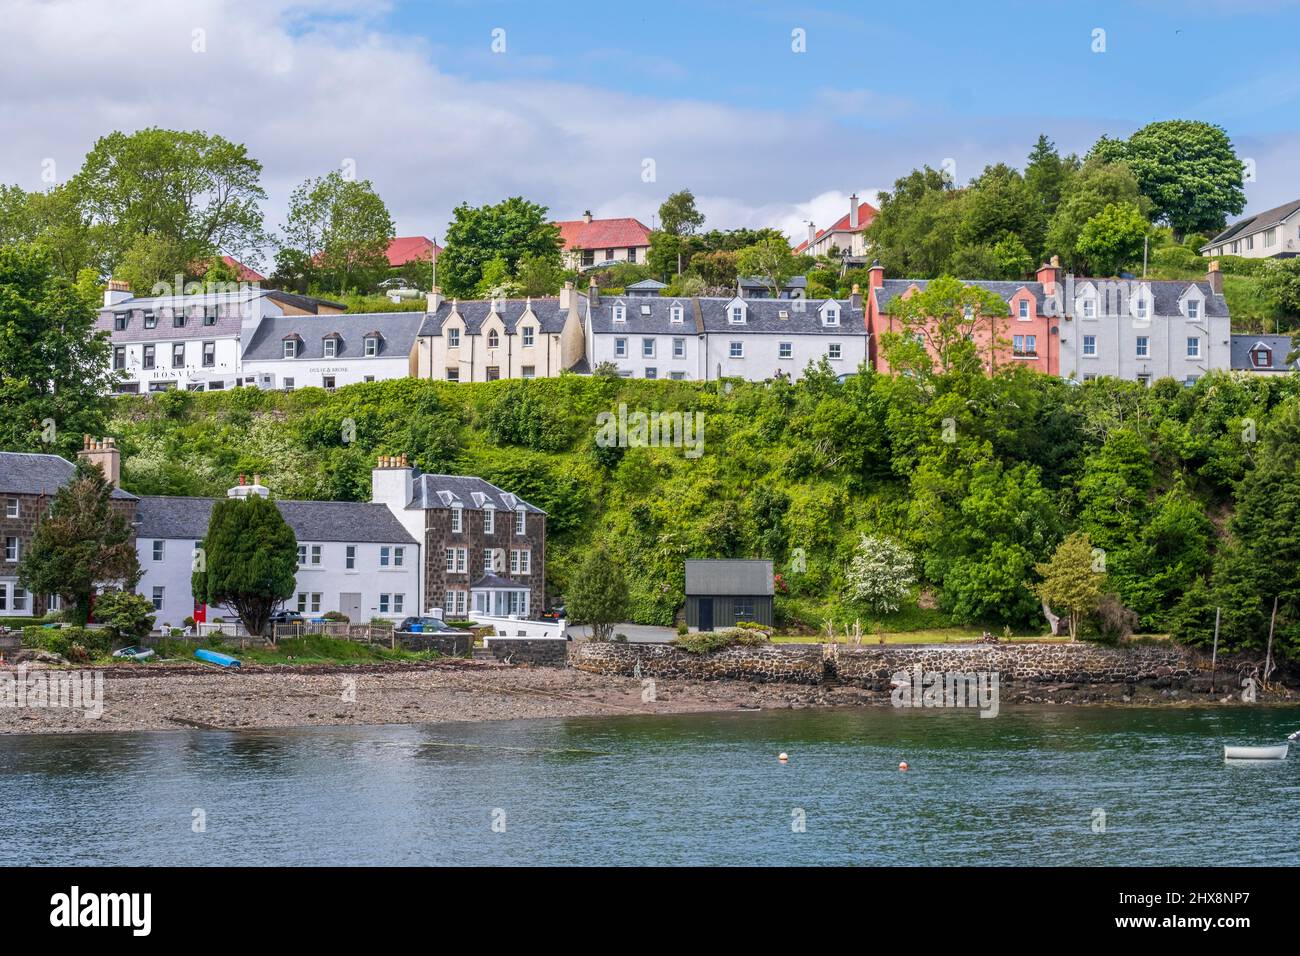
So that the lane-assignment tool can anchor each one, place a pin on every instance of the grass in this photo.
(941, 635)
(310, 649)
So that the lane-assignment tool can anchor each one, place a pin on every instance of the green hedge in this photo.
(94, 642)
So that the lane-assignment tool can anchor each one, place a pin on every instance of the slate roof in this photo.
(765, 316)
(349, 521)
(658, 320)
(603, 233)
(496, 581)
(397, 331)
(473, 494)
(754, 282)
(1165, 293)
(654, 284)
(22, 473)
(1251, 224)
(231, 310)
(741, 577)
(474, 312)
(1281, 345)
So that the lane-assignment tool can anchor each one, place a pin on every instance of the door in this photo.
(350, 604)
(706, 614)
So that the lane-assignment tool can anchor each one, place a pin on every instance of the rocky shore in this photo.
(187, 697)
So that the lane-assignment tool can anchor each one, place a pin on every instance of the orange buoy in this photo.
(903, 765)
(783, 757)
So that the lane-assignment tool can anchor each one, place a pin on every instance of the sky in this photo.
(771, 113)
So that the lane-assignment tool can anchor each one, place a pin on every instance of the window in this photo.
(455, 603)
(399, 600)
(288, 384)
(832, 316)
(489, 560)
(11, 508)
(399, 557)
(743, 607)
(315, 602)
(158, 549)
(631, 253)
(1140, 307)
(119, 358)
(457, 519)
(327, 382)
(151, 320)
(609, 255)
(679, 348)
(456, 559)
(385, 556)
(290, 348)
(209, 354)
(147, 360)
(308, 555)
(384, 603)
(675, 314)
(489, 520)
(588, 257)
(1270, 236)
(453, 338)
(1089, 308)
(1260, 357)
(520, 521)
(620, 313)
(651, 372)
(11, 549)
(120, 320)
(969, 312)
(210, 315)
(494, 339)
(833, 351)
(677, 376)
(1090, 345)
(158, 598)
(785, 350)
(1143, 347)
(1022, 309)
(1024, 346)
(493, 373)
(329, 345)
(647, 348)
(620, 348)
(1189, 381)
(372, 346)
(737, 316)
(528, 336)
(178, 355)
(1144, 379)
(1250, 242)
(302, 602)
(736, 350)
(178, 318)
(1193, 308)
(453, 374)
(1193, 347)
(350, 557)
(521, 561)
(20, 598)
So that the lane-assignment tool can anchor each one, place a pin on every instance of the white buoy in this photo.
(903, 766)
(783, 757)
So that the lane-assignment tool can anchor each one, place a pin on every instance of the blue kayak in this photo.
(212, 657)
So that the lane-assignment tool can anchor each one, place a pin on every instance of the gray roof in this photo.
(349, 521)
(1280, 345)
(801, 317)
(647, 284)
(645, 315)
(473, 494)
(741, 577)
(1261, 220)
(1165, 293)
(397, 333)
(474, 312)
(231, 308)
(499, 583)
(754, 282)
(36, 474)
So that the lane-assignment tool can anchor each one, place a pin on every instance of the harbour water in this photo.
(1111, 786)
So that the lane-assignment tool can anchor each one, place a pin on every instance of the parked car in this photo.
(554, 613)
(425, 624)
(286, 617)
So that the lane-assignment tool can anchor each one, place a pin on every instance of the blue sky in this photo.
(413, 97)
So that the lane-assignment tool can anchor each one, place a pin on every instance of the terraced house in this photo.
(330, 351)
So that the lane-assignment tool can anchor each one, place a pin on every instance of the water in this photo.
(704, 789)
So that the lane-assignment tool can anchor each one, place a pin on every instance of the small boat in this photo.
(134, 653)
(212, 657)
(1255, 753)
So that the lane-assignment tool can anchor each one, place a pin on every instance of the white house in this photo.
(647, 337)
(192, 342)
(1271, 234)
(353, 557)
(330, 351)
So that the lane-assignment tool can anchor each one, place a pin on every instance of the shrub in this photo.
(127, 615)
(338, 616)
(682, 629)
(70, 641)
(706, 642)
(1112, 620)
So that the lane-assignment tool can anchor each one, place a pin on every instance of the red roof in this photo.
(406, 249)
(866, 213)
(603, 233)
(242, 272)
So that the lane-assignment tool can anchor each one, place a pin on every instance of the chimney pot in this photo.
(1214, 277)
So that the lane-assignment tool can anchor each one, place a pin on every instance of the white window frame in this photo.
(1142, 347)
(489, 520)
(785, 350)
(457, 519)
(1193, 346)
(648, 348)
(1088, 347)
(834, 351)
(159, 550)
(453, 338)
(528, 336)
(329, 346)
(521, 521)
(735, 350)
(290, 348)
(620, 348)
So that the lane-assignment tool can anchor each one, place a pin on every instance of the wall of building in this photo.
(762, 354)
(312, 373)
(666, 365)
(438, 536)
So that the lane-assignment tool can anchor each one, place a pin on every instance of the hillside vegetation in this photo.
(980, 478)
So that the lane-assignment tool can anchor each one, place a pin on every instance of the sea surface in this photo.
(1118, 786)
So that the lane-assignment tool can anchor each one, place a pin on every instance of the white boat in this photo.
(1255, 753)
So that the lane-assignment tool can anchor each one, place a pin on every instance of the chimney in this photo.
(566, 297)
(876, 274)
(1214, 277)
(435, 299)
(391, 482)
(103, 452)
(853, 211)
(593, 293)
(1049, 274)
(246, 490)
(812, 232)
(586, 217)
(855, 300)
(116, 291)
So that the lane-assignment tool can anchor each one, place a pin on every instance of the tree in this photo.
(881, 573)
(128, 615)
(341, 227)
(913, 235)
(1086, 194)
(82, 543)
(150, 260)
(679, 218)
(1280, 284)
(771, 261)
(1113, 238)
(200, 191)
(1000, 204)
(509, 230)
(250, 559)
(717, 269)
(953, 321)
(1046, 174)
(1070, 586)
(539, 275)
(1187, 168)
(55, 371)
(598, 594)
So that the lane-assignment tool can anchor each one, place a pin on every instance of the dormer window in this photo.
(151, 320)
(1140, 306)
(210, 315)
(1261, 357)
(1023, 308)
(371, 344)
(645, 310)
(832, 317)
(453, 338)
(620, 313)
(737, 315)
(330, 345)
(290, 348)
(1193, 308)
(178, 318)
(676, 314)
(493, 339)
(969, 312)
(120, 320)
(1088, 307)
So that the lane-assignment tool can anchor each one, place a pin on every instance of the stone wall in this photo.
(872, 667)
(541, 652)
(448, 645)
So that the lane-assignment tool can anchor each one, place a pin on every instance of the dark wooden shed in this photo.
(721, 592)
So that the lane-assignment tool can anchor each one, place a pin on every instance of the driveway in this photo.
(636, 633)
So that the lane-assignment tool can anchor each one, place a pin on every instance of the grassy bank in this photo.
(310, 649)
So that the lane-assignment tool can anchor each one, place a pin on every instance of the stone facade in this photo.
(539, 652)
(448, 645)
(438, 536)
(872, 667)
